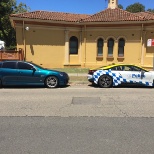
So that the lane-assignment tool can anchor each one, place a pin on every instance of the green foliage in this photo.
(151, 10)
(136, 7)
(21, 8)
(7, 33)
(73, 70)
(120, 6)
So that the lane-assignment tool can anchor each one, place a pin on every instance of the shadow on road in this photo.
(31, 87)
(125, 86)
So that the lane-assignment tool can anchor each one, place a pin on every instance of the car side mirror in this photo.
(34, 69)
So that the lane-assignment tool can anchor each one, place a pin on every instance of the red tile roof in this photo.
(55, 16)
(108, 15)
(147, 15)
(114, 15)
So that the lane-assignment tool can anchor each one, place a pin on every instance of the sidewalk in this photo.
(78, 78)
(78, 74)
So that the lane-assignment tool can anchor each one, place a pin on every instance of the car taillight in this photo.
(91, 72)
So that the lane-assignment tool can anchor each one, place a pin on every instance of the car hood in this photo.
(55, 71)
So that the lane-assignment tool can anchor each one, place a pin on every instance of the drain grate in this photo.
(86, 100)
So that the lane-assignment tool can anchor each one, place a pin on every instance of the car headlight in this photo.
(61, 74)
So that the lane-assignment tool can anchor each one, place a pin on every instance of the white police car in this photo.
(123, 74)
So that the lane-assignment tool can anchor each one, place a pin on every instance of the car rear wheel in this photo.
(51, 82)
(105, 81)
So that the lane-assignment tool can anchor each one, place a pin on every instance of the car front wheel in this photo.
(51, 82)
(105, 81)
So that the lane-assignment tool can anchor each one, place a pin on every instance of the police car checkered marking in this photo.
(117, 78)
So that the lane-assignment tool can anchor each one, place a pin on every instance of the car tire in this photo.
(51, 82)
(105, 81)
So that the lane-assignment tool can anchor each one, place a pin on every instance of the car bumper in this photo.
(90, 78)
(64, 80)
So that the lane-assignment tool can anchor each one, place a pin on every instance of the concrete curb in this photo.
(79, 83)
(77, 74)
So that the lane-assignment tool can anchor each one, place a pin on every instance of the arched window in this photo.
(121, 45)
(100, 44)
(110, 47)
(73, 45)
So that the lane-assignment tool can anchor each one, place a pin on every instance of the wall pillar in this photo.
(85, 41)
(80, 46)
(142, 48)
(66, 48)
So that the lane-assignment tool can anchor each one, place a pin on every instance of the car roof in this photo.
(114, 65)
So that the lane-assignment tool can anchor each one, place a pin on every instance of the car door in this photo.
(127, 73)
(28, 74)
(135, 74)
(144, 76)
(119, 71)
(130, 75)
(9, 73)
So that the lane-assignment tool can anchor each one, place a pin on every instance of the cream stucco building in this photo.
(57, 39)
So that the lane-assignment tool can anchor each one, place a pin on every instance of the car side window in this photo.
(10, 65)
(24, 66)
(114, 68)
(119, 68)
(136, 69)
(128, 68)
(0, 65)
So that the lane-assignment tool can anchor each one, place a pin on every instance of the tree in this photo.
(151, 10)
(136, 7)
(120, 6)
(7, 33)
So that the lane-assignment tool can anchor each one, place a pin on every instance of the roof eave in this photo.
(117, 22)
(48, 21)
(12, 19)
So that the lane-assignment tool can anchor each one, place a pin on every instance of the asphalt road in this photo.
(77, 100)
(76, 135)
(77, 119)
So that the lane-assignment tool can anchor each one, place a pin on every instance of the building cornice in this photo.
(90, 25)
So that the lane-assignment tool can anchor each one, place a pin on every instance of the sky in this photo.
(79, 6)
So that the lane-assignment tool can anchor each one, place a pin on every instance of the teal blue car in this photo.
(22, 73)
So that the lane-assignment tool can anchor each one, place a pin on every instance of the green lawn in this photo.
(73, 70)
(78, 78)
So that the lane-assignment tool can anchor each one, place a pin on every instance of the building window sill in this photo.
(110, 57)
(121, 58)
(99, 58)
